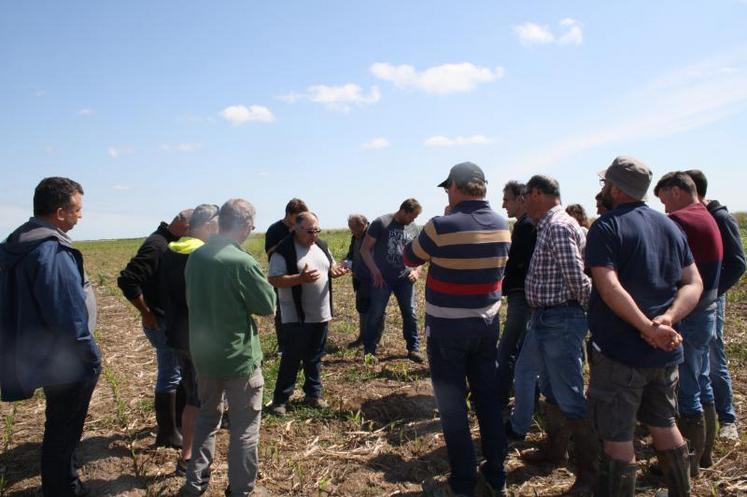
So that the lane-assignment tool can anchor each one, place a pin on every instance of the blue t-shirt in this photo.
(649, 252)
(391, 238)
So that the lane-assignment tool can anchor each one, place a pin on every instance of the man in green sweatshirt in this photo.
(225, 287)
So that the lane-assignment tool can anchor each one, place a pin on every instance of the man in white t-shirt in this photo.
(301, 268)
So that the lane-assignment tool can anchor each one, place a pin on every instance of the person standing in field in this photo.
(202, 225)
(358, 225)
(677, 192)
(732, 268)
(523, 239)
(139, 284)
(644, 282)
(467, 252)
(302, 268)
(274, 235)
(558, 290)
(382, 253)
(47, 322)
(225, 289)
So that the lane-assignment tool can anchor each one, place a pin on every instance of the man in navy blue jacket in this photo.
(47, 319)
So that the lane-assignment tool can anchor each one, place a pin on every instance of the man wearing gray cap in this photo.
(644, 280)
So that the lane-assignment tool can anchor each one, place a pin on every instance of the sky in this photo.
(355, 106)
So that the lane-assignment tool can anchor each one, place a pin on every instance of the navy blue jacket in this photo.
(47, 312)
(733, 264)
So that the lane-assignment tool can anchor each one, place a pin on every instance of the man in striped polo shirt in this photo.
(467, 251)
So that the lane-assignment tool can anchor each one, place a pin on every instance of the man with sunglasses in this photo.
(301, 268)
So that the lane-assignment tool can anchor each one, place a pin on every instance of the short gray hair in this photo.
(358, 219)
(303, 216)
(236, 214)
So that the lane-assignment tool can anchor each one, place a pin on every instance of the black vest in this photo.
(287, 250)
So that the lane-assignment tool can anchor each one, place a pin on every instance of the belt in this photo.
(567, 303)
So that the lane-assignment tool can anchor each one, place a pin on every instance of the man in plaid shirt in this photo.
(558, 292)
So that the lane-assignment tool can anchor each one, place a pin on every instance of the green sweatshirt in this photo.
(225, 286)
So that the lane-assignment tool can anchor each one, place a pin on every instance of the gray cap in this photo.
(630, 175)
(463, 173)
(203, 214)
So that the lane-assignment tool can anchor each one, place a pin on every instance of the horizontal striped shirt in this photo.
(467, 251)
(556, 271)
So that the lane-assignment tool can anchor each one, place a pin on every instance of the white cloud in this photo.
(684, 99)
(339, 98)
(240, 114)
(445, 141)
(86, 111)
(530, 33)
(185, 148)
(573, 34)
(117, 152)
(120, 188)
(570, 33)
(376, 143)
(439, 80)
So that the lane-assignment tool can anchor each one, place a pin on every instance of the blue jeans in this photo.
(560, 333)
(719, 365)
(514, 330)
(697, 331)
(454, 361)
(305, 344)
(168, 376)
(529, 369)
(404, 292)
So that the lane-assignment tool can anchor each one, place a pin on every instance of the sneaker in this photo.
(278, 409)
(729, 431)
(416, 356)
(315, 402)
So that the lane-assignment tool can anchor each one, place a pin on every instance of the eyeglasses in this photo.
(315, 231)
(602, 181)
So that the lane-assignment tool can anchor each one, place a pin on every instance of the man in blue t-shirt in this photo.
(644, 282)
(381, 251)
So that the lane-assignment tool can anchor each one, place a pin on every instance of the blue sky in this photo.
(355, 106)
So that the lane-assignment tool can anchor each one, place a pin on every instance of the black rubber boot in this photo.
(554, 448)
(586, 454)
(675, 464)
(709, 414)
(616, 478)
(168, 434)
(693, 429)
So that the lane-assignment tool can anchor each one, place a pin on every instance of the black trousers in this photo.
(67, 406)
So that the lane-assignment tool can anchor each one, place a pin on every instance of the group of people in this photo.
(649, 287)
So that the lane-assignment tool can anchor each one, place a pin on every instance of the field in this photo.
(380, 436)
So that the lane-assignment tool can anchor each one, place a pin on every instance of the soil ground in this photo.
(381, 435)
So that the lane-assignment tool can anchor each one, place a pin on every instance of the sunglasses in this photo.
(313, 231)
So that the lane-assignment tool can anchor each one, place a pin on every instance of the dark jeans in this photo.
(67, 406)
(404, 292)
(305, 344)
(514, 331)
(452, 361)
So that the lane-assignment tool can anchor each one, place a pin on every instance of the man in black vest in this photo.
(301, 268)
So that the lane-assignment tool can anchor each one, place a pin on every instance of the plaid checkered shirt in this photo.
(556, 271)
